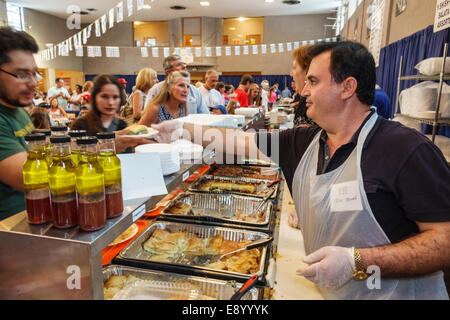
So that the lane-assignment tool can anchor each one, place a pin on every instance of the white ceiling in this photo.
(160, 9)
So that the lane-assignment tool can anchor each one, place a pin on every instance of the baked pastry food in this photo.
(244, 171)
(216, 185)
(180, 208)
(136, 129)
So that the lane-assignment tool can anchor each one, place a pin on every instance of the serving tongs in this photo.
(205, 259)
(250, 283)
(269, 195)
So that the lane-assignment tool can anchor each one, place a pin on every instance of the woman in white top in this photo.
(55, 110)
(145, 80)
(75, 99)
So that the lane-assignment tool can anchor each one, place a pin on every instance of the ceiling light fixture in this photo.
(269, 1)
(147, 6)
(241, 19)
(232, 28)
(204, 3)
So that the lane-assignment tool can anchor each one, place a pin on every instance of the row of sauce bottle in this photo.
(72, 179)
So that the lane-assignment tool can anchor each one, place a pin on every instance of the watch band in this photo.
(360, 273)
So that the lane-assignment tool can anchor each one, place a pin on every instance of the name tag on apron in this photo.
(345, 197)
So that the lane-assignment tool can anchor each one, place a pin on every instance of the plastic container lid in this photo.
(59, 139)
(157, 290)
(106, 135)
(35, 137)
(59, 128)
(87, 140)
(77, 133)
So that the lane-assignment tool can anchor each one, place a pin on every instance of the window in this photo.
(192, 32)
(245, 31)
(150, 34)
(15, 16)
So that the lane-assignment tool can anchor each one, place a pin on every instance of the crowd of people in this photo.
(395, 215)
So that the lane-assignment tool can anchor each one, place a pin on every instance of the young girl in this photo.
(56, 111)
(106, 98)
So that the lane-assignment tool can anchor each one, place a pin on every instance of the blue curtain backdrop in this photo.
(415, 48)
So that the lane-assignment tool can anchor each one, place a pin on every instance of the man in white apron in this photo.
(347, 236)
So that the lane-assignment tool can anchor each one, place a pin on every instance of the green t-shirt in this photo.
(14, 125)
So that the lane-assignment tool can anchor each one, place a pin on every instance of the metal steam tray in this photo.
(245, 171)
(221, 208)
(135, 255)
(209, 288)
(261, 191)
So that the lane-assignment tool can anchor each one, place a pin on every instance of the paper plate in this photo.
(126, 235)
(151, 133)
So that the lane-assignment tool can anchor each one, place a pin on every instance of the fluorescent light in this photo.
(269, 0)
(204, 3)
(232, 28)
(241, 19)
(146, 6)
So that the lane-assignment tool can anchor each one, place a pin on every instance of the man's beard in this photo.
(13, 102)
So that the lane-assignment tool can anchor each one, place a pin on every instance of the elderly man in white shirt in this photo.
(195, 103)
(211, 96)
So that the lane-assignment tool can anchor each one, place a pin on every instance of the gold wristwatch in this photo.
(360, 273)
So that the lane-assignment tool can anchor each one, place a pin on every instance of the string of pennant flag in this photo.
(77, 42)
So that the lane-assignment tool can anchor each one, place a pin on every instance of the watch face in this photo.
(360, 275)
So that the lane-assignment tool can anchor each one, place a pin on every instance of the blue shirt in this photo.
(382, 103)
(286, 93)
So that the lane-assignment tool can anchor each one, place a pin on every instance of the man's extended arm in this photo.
(11, 170)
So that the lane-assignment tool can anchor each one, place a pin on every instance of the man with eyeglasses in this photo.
(18, 81)
(60, 93)
(195, 102)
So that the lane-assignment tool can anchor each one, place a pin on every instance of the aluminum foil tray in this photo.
(135, 255)
(208, 288)
(245, 171)
(262, 188)
(225, 208)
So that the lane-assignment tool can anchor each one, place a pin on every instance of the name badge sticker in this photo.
(345, 197)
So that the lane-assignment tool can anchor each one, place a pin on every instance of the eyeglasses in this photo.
(27, 76)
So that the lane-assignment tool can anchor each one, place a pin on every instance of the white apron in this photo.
(359, 229)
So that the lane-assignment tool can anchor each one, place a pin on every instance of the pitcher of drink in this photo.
(112, 170)
(35, 178)
(90, 186)
(62, 184)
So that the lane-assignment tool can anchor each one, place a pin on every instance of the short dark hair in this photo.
(57, 80)
(11, 40)
(246, 78)
(220, 85)
(228, 87)
(350, 59)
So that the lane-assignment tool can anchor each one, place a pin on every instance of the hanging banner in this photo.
(273, 49)
(281, 47)
(228, 51)
(112, 52)
(98, 32)
(120, 12)
(155, 52)
(255, 49)
(263, 48)
(79, 51)
(245, 49)
(218, 51)
(198, 51)
(104, 24)
(79, 39)
(130, 7)
(90, 51)
(166, 52)
(144, 52)
(69, 43)
(89, 29)
(304, 43)
(111, 18)
(177, 51)
(188, 52)
(289, 46)
(208, 52)
(51, 54)
(376, 31)
(98, 51)
(296, 45)
(140, 4)
(237, 50)
(84, 35)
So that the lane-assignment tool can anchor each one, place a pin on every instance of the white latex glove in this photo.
(330, 266)
(169, 130)
(293, 220)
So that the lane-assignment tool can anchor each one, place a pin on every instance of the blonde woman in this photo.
(145, 80)
(254, 96)
(170, 103)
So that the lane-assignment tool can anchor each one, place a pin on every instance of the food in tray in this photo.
(137, 129)
(181, 208)
(250, 217)
(216, 185)
(127, 234)
(243, 171)
(116, 283)
(165, 246)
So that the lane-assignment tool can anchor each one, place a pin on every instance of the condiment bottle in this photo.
(48, 151)
(74, 135)
(112, 171)
(35, 179)
(59, 130)
(62, 184)
(90, 186)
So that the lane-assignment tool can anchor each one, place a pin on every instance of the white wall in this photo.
(3, 17)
